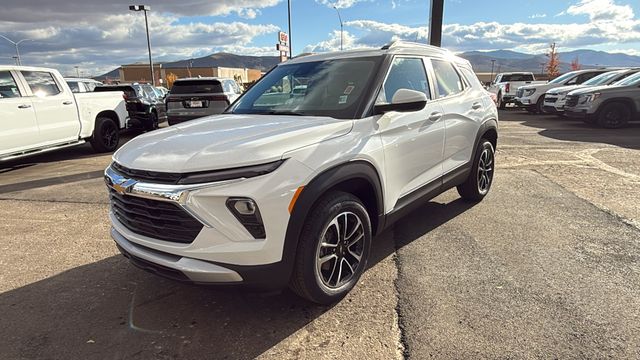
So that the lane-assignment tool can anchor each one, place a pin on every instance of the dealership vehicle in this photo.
(193, 98)
(531, 97)
(146, 109)
(505, 85)
(285, 188)
(612, 106)
(555, 99)
(80, 85)
(38, 113)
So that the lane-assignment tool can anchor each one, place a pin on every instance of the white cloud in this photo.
(340, 4)
(538, 16)
(333, 43)
(602, 10)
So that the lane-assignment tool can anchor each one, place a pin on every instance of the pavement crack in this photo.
(402, 350)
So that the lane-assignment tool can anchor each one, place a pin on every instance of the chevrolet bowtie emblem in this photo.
(122, 186)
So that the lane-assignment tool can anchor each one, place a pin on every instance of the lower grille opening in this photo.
(154, 268)
(155, 219)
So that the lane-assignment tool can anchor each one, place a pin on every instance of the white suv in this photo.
(290, 187)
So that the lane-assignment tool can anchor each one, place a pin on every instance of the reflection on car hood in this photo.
(226, 141)
(592, 89)
(565, 89)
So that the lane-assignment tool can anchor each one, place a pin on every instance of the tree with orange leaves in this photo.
(553, 62)
(575, 64)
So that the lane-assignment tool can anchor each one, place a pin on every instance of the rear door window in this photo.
(8, 86)
(197, 87)
(448, 82)
(41, 83)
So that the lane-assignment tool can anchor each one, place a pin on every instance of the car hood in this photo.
(592, 89)
(226, 141)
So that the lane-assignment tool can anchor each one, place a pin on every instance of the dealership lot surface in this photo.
(547, 266)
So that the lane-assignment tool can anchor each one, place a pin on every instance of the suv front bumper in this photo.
(223, 252)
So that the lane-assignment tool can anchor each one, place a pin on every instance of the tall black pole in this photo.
(435, 22)
(493, 62)
(290, 37)
(146, 23)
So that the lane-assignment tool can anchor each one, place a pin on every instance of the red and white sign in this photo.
(283, 38)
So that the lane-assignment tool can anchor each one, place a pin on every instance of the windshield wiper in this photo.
(283, 112)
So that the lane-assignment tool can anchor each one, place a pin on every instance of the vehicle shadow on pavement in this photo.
(109, 309)
(84, 151)
(417, 224)
(565, 129)
(576, 130)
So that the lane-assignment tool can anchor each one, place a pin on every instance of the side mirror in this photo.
(404, 100)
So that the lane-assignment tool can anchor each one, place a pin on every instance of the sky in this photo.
(99, 35)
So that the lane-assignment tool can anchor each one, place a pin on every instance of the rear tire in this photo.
(333, 250)
(106, 135)
(614, 115)
(479, 182)
(152, 122)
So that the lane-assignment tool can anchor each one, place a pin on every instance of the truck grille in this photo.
(519, 93)
(155, 219)
(572, 100)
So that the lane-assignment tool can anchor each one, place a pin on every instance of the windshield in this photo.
(561, 79)
(334, 88)
(602, 79)
(631, 80)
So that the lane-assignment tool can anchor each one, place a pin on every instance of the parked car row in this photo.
(608, 97)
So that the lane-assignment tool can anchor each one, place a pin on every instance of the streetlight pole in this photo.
(493, 62)
(289, 20)
(77, 71)
(341, 27)
(16, 44)
(146, 8)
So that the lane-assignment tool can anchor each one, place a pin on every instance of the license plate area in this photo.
(195, 103)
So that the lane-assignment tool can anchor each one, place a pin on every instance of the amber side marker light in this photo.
(295, 198)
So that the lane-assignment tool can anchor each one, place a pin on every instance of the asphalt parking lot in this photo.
(547, 266)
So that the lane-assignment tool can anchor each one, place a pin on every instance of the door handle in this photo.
(68, 102)
(476, 106)
(435, 116)
(24, 106)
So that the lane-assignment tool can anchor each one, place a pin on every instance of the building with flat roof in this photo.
(161, 72)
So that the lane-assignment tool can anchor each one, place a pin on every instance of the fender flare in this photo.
(328, 179)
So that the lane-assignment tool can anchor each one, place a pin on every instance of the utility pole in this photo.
(435, 22)
(77, 71)
(493, 62)
(146, 8)
(289, 19)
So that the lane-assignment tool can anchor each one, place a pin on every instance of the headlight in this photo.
(588, 98)
(529, 92)
(229, 174)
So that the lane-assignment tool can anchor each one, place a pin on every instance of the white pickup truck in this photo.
(38, 112)
(505, 86)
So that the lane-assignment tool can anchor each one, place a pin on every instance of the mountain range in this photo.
(505, 60)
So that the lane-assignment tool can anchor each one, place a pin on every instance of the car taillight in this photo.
(507, 88)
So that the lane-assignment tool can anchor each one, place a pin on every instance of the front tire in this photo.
(152, 122)
(106, 135)
(540, 105)
(479, 182)
(501, 105)
(614, 115)
(333, 250)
